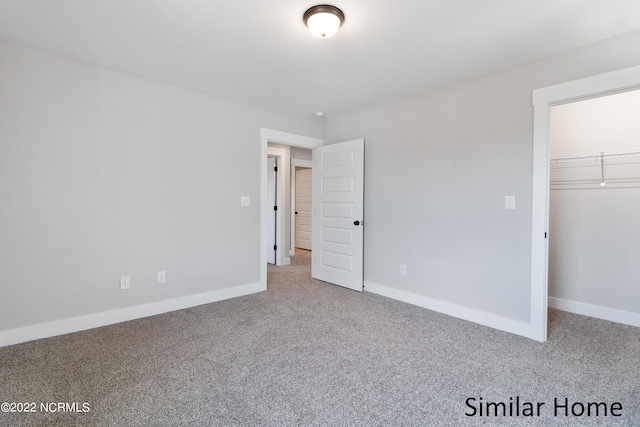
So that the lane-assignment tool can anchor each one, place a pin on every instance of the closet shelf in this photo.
(575, 171)
(595, 155)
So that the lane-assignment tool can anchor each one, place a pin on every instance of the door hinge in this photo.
(275, 247)
(275, 208)
(275, 169)
(545, 234)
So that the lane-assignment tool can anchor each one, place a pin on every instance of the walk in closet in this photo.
(594, 206)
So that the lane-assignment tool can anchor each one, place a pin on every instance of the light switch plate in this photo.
(509, 202)
(245, 201)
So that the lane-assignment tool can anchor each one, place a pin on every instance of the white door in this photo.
(303, 208)
(338, 208)
(271, 213)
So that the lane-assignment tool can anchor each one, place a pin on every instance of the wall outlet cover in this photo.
(509, 202)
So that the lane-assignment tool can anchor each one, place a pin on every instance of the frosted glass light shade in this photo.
(323, 21)
(323, 25)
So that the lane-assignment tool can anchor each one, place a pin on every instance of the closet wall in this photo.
(594, 222)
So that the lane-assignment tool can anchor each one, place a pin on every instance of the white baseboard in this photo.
(487, 319)
(90, 321)
(611, 314)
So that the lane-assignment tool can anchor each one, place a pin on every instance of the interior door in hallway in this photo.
(338, 210)
(303, 208)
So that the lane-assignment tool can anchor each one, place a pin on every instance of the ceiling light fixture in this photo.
(323, 20)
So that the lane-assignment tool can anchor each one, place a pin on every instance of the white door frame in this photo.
(543, 99)
(294, 164)
(280, 154)
(271, 214)
(279, 137)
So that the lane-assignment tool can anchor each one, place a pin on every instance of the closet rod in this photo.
(626, 187)
(595, 155)
(630, 180)
(562, 165)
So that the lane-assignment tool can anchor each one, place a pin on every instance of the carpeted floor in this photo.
(310, 353)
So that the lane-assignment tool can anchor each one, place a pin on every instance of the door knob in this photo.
(356, 222)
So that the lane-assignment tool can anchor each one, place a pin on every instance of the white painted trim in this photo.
(543, 99)
(285, 138)
(611, 314)
(264, 145)
(540, 224)
(96, 320)
(266, 136)
(487, 319)
(281, 153)
(294, 164)
(590, 87)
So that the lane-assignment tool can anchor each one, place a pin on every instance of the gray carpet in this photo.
(310, 353)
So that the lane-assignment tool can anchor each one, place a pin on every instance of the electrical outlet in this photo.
(245, 201)
(125, 282)
(403, 270)
(162, 277)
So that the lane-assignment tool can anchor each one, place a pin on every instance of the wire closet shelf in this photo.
(584, 171)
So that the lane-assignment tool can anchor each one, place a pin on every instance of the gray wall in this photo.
(301, 153)
(437, 168)
(594, 249)
(105, 174)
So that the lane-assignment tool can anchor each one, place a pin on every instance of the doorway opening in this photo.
(281, 145)
(543, 100)
(594, 206)
(301, 202)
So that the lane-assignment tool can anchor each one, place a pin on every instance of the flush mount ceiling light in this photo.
(323, 20)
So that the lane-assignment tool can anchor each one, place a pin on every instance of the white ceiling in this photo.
(259, 51)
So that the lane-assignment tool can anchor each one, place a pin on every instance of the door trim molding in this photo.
(543, 99)
(281, 155)
(294, 140)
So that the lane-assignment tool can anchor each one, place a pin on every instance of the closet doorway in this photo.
(594, 206)
(544, 99)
